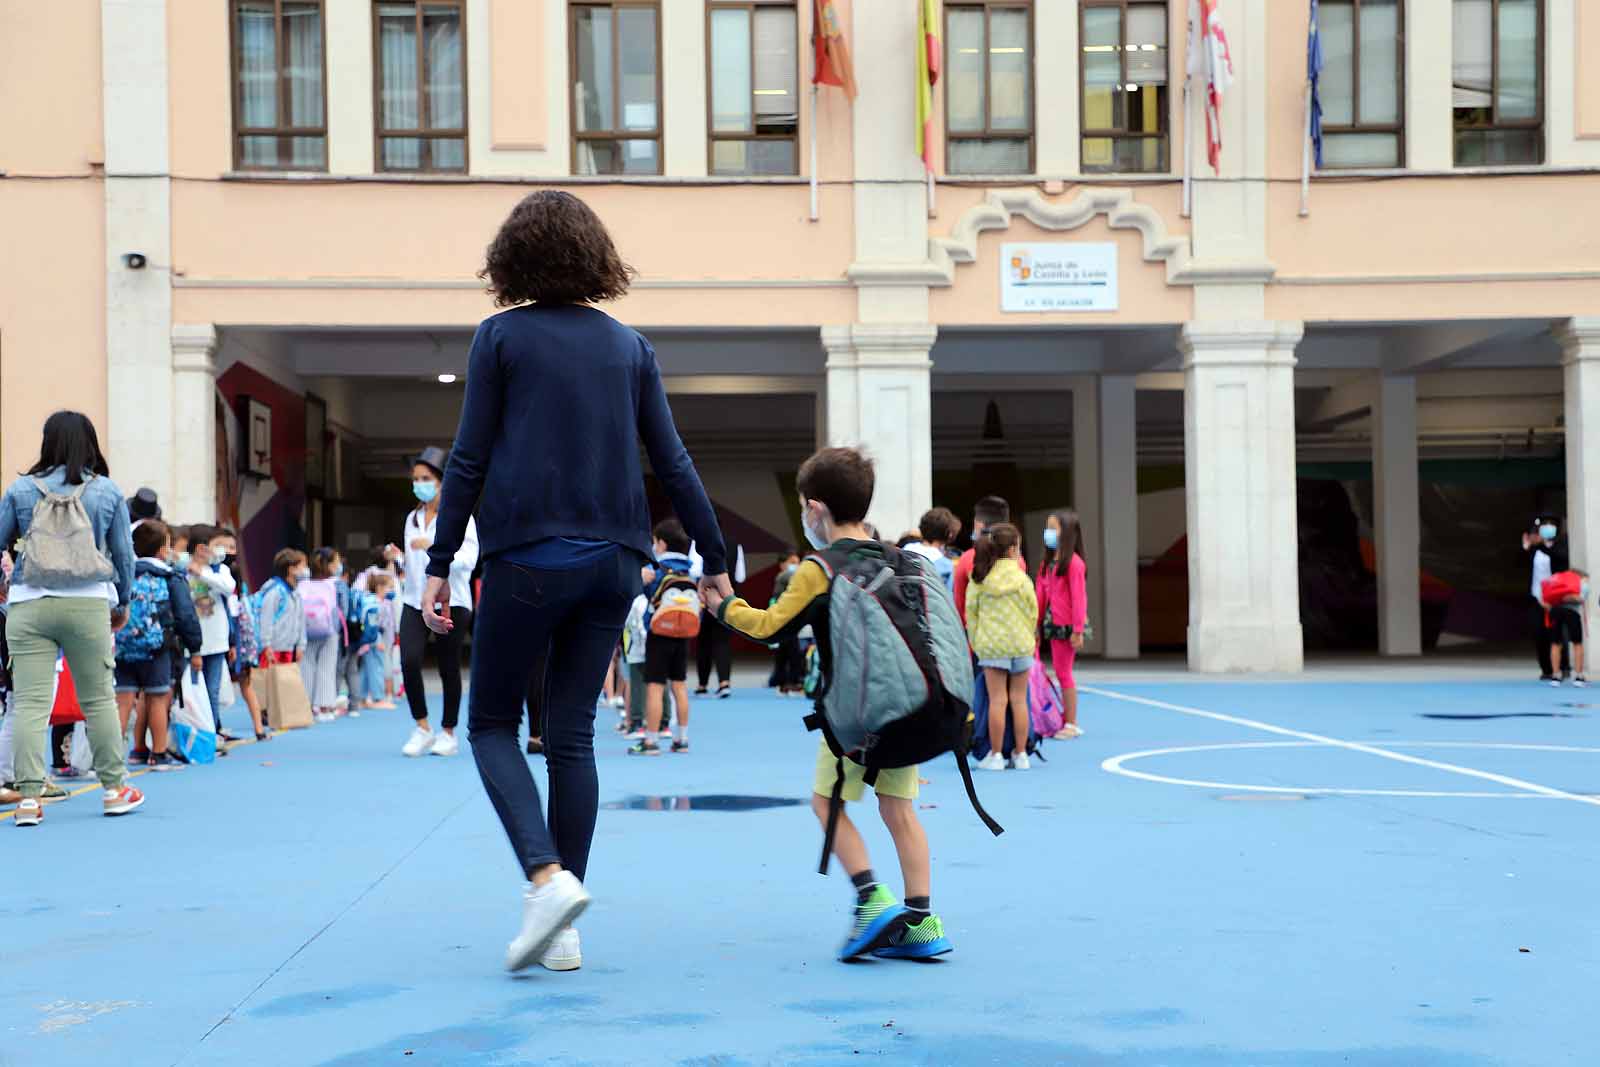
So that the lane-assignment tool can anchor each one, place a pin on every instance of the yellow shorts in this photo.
(898, 782)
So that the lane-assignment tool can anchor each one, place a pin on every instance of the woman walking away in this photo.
(69, 593)
(1064, 608)
(559, 397)
(421, 532)
(1002, 611)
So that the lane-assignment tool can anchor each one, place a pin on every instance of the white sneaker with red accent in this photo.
(123, 800)
(30, 812)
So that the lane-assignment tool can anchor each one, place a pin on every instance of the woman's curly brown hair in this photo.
(553, 249)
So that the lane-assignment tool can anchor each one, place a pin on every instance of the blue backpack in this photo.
(149, 618)
(252, 604)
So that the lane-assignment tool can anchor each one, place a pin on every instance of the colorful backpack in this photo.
(675, 609)
(149, 618)
(322, 609)
(1045, 706)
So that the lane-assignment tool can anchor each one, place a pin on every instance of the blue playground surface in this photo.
(1303, 874)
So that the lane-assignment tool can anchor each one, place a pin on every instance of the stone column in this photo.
(1580, 363)
(194, 385)
(879, 377)
(1239, 463)
(1397, 527)
(1086, 498)
(1119, 518)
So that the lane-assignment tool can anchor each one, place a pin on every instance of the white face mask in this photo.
(814, 537)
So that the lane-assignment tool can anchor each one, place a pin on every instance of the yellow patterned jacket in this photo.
(1003, 613)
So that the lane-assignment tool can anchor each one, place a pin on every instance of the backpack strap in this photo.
(966, 780)
(835, 807)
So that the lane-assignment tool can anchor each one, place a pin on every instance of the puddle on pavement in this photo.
(702, 802)
(1509, 714)
(1264, 798)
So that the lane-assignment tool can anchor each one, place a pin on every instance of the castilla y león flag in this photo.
(1211, 63)
(832, 61)
(927, 76)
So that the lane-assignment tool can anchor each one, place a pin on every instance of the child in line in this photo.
(370, 653)
(835, 491)
(283, 619)
(666, 659)
(1002, 613)
(245, 652)
(319, 596)
(162, 626)
(788, 661)
(213, 587)
(635, 638)
(1567, 618)
(1064, 608)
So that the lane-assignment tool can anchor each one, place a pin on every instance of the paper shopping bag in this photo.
(288, 706)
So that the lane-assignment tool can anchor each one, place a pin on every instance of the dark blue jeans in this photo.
(570, 619)
(211, 668)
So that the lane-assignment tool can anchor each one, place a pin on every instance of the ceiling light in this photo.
(447, 379)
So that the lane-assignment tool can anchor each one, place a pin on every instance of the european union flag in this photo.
(1313, 74)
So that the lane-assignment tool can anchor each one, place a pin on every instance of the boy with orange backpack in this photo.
(672, 621)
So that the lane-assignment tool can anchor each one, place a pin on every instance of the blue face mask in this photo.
(1548, 531)
(816, 540)
(1052, 538)
(425, 489)
(181, 561)
(338, 569)
(389, 595)
(790, 568)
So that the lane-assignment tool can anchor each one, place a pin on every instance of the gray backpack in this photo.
(59, 550)
(898, 686)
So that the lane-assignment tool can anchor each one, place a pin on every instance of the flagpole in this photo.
(1188, 146)
(933, 206)
(814, 213)
(1305, 159)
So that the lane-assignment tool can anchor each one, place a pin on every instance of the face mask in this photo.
(219, 556)
(790, 568)
(389, 595)
(1052, 539)
(182, 560)
(338, 569)
(303, 574)
(816, 540)
(425, 488)
(1548, 531)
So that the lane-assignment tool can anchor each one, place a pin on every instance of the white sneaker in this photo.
(1020, 762)
(564, 953)
(992, 762)
(445, 745)
(420, 744)
(618, 702)
(546, 911)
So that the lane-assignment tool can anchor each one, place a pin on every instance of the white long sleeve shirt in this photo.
(416, 562)
(214, 626)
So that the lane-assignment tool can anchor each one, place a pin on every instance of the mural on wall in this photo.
(264, 497)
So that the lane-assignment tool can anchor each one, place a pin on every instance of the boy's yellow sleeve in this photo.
(808, 584)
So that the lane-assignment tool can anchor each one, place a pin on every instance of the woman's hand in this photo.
(119, 618)
(421, 544)
(436, 606)
(1077, 640)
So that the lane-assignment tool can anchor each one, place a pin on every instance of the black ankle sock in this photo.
(918, 906)
(865, 883)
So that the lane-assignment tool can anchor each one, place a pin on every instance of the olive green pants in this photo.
(81, 628)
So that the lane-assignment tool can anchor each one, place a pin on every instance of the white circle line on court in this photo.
(1117, 765)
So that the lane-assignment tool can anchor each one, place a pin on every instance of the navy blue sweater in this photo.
(558, 400)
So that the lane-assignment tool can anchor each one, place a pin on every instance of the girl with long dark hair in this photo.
(1064, 607)
(1001, 613)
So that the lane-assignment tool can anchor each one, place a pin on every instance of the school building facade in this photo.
(243, 236)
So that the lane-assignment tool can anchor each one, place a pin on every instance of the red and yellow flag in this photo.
(831, 63)
(927, 77)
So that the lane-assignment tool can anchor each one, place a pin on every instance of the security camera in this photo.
(133, 260)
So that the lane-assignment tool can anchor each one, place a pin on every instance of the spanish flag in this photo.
(927, 76)
(831, 58)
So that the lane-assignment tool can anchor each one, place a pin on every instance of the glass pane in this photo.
(1147, 108)
(598, 157)
(309, 153)
(1335, 88)
(402, 153)
(592, 86)
(302, 33)
(777, 89)
(1471, 66)
(1380, 61)
(964, 96)
(752, 157)
(730, 71)
(449, 153)
(1010, 70)
(1146, 50)
(1360, 150)
(1133, 155)
(1102, 68)
(636, 29)
(258, 77)
(258, 151)
(1487, 148)
(997, 156)
(1517, 95)
(640, 157)
(397, 51)
(441, 36)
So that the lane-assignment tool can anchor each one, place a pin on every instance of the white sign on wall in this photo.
(1058, 276)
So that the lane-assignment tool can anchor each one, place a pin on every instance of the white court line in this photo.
(1118, 765)
(1352, 746)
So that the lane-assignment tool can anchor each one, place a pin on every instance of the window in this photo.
(616, 87)
(1123, 90)
(422, 86)
(1498, 82)
(1361, 89)
(279, 113)
(754, 82)
(988, 94)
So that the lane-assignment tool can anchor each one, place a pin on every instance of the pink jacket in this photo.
(1064, 597)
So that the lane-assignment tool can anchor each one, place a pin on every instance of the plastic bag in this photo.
(79, 754)
(225, 692)
(193, 731)
(7, 742)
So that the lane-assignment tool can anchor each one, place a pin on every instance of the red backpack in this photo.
(1560, 588)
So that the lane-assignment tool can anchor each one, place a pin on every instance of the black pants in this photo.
(788, 665)
(414, 637)
(1543, 637)
(577, 615)
(713, 647)
(535, 697)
